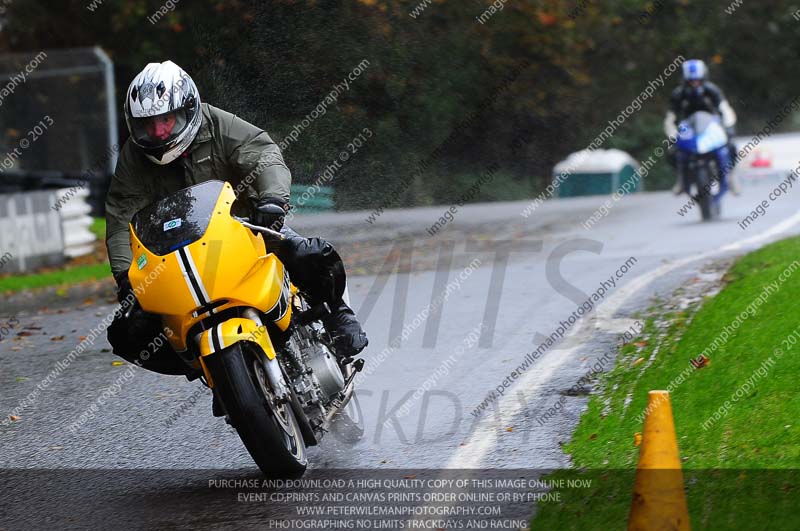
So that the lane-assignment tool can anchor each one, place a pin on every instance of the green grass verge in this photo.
(740, 460)
(72, 275)
(69, 275)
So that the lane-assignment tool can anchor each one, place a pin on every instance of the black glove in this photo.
(270, 212)
(124, 287)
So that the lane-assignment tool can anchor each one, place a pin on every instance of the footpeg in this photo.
(358, 366)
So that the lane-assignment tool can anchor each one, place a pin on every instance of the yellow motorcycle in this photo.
(234, 315)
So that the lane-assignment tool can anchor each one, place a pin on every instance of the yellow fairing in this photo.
(228, 267)
(229, 333)
(232, 331)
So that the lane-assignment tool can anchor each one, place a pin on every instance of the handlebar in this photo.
(264, 230)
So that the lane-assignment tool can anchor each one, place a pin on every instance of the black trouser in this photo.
(314, 267)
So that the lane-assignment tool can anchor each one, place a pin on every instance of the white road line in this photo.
(484, 440)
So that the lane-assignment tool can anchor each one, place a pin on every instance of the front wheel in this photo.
(267, 426)
(705, 198)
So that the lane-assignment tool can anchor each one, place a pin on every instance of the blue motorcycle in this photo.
(704, 161)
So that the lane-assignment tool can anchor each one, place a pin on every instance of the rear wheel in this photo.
(267, 426)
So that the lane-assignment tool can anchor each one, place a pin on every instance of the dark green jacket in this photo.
(225, 148)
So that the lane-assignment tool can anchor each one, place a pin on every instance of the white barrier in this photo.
(30, 231)
(76, 222)
(34, 234)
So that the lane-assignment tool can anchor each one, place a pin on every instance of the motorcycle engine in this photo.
(323, 379)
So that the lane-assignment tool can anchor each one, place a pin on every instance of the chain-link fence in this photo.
(58, 120)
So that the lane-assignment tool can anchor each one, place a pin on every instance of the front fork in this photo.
(687, 166)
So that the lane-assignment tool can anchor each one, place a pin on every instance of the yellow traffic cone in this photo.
(659, 502)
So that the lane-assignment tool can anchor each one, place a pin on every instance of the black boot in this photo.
(348, 337)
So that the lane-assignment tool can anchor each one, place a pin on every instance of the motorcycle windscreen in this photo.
(701, 133)
(712, 138)
(177, 220)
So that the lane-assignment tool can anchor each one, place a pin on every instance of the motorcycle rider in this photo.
(695, 94)
(175, 142)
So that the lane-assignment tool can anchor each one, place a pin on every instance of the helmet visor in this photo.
(160, 130)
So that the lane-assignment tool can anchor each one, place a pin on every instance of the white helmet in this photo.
(162, 110)
(694, 69)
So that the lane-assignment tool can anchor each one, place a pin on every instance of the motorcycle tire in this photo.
(704, 196)
(268, 429)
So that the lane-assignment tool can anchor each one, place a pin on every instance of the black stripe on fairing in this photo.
(195, 284)
(215, 339)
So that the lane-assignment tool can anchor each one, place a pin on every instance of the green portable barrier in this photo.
(311, 199)
(600, 172)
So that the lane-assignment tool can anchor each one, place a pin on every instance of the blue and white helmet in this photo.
(162, 92)
(694, 69)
